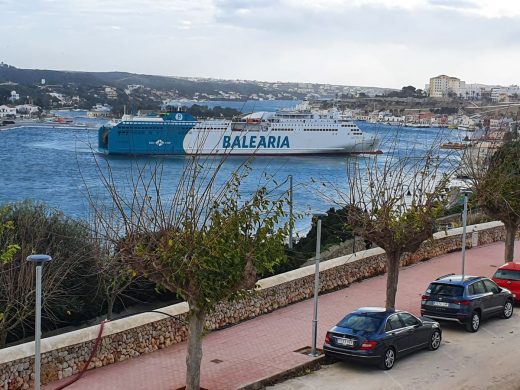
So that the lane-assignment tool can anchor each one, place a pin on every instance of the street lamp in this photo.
(39, 260)
(465, 193)
(316, 284)
(290, 212)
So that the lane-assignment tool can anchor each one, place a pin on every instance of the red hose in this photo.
(92, 354)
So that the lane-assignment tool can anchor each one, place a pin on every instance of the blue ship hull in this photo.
(148, 136)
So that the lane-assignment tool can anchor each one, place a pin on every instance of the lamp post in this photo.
(316, 284)
(39, 260)
(465, 193)
(290, 212)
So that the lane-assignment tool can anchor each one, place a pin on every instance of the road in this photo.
(487, 359)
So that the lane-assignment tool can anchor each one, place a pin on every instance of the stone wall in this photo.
(65, 355)
(343, 249)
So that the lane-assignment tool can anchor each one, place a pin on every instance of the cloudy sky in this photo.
(387, 43)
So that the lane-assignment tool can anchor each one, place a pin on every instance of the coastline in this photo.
(33, 123)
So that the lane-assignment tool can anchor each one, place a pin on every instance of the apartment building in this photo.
(442, 86)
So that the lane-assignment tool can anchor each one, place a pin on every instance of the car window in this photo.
(477, 288)
(491, 286)
(509, 274)
(408, 319)
(361, 322)
(449, 290)
(393, 322)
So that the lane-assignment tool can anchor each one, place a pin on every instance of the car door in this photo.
(508, 278)
(480, 297)
(416, 336)
(496, 298)
(397, 332)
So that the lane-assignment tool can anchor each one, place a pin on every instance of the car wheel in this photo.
(474, 322)
(508, 310)
(388, 359)
(435, 340)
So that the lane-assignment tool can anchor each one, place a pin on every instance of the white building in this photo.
(471, 92)
(14, 96)
(111, 93)
(132, 87)
(59, 96)
(503, 94)
(7, 111)
(99, 110)
(466, 122)
(27, 109)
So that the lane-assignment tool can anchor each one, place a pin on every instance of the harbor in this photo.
(67, 159)
(234, 195)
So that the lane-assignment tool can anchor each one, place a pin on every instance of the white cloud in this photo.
(371, 42)
(484, 8)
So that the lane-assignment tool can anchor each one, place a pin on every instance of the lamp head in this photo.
(319, 215)
(39, 259)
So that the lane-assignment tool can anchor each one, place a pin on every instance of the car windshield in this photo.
(445, 289)
(361, 322)
(509, 274)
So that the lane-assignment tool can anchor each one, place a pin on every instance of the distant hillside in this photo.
(119, 89)
(122, 79)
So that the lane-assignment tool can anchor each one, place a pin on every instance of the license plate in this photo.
(347, 342)
(443, 304)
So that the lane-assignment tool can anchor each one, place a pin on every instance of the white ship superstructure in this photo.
(298, 131)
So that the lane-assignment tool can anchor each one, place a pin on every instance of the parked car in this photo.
(377, 335)
(508, 276)
(466, 301)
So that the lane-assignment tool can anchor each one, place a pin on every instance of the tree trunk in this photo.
(194, 356)
(3, 337)
(110, 307)
(392, 265)
(510, 242)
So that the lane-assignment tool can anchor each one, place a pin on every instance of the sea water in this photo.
(61, 167)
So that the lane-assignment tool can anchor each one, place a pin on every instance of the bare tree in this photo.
(34, 228)
(393, 200)
(114, 276)
(494, 170)
(204, 241)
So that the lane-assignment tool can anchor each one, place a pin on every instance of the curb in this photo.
(314, 364)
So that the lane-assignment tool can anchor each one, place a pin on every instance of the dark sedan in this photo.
(377, 335)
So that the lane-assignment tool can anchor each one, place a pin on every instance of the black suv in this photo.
(466, 301)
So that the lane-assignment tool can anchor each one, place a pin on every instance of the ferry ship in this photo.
(297, 131)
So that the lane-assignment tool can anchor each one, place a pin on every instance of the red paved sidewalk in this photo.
(264, 346)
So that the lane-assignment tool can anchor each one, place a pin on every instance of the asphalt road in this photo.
(488, 359)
